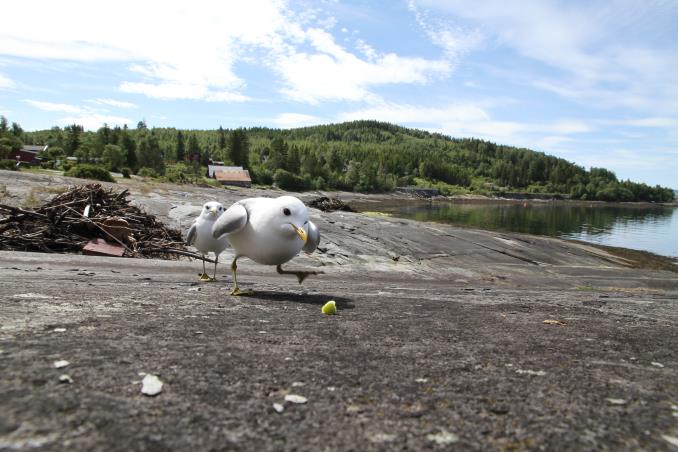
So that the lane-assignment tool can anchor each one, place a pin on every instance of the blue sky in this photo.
(594, 82)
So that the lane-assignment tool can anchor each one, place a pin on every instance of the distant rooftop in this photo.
(33, 148)
(211, 169)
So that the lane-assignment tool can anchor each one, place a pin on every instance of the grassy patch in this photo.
(643, 259)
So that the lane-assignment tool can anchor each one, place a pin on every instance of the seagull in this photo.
(200, 236)
(270, 231)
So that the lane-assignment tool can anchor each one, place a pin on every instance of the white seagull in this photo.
(270, 231)
(200, 236)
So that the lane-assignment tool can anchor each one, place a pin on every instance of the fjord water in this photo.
(648, 228)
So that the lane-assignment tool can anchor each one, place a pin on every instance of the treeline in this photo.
(365, 156)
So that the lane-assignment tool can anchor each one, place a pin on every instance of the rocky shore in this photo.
(445, 338)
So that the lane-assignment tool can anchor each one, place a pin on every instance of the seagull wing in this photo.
(233, 220)
(313, 238)
(192, 232)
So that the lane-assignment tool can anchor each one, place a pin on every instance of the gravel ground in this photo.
(440, 342)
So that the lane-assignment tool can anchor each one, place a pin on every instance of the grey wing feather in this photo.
(313, 238)
(190, 237)
(233, 220)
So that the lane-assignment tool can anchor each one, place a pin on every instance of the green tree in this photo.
(180, 147)
(239, 148)
(278, 154)
(293, 160)
(193, 147)
(149, 153)
(73, 133)
(53, 153)
(222, 138)
(129, 148)
(4, 125)
(113, 156)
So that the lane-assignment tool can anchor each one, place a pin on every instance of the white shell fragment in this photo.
(278, 407)
(444, 437)
(616, 401)
(293, 398)
(151, 385)
(61, 363)
(531, 372)
(65, 379)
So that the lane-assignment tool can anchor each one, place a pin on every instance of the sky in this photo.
(594, 82)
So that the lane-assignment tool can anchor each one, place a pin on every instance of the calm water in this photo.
(652, 229)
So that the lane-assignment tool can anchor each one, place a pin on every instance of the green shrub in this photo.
(126, 172)
(147, 172)
(89, 171)
(8, 165)
(288, 181)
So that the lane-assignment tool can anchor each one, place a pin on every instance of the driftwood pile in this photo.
(330, 204)
(88, 216)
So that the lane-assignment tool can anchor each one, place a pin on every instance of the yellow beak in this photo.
(300, 232)
(213, 210)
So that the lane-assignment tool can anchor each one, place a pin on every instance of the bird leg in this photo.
(204, 276)
(301, 275)
(236, 290)
(216, 260)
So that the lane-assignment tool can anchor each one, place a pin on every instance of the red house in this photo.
(28, 154)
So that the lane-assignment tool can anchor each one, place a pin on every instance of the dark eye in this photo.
(207, 208)
(287, 212)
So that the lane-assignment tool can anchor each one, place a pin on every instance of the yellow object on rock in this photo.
(329, 308)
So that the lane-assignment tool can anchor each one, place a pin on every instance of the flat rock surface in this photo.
(439, 342)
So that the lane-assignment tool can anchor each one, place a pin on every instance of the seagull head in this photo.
(292, 216)
(211, 210)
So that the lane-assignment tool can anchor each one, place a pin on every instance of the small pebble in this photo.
(61, 363)
(293, 398)
(531, 372)
(616, 401)
(65, 379)
(59, 330)
(421, 380)
(656, 364)
(444, 437)
(151, 385)
(278, 407)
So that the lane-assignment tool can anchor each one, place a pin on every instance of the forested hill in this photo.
(366, 156)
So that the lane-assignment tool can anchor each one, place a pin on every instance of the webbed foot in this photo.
(241, 293)
(205, 278)
(301, 275)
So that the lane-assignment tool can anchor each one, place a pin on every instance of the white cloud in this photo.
(93, 121)
(50, 106)
(116, 103)
(291, 120)
(177, 45)
(653, 122)
(332, 73)
(454, 40)
(89, 118)
(607, 54)
(5, 82)
(179, 51)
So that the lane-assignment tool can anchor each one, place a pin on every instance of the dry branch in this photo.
(60, 225)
